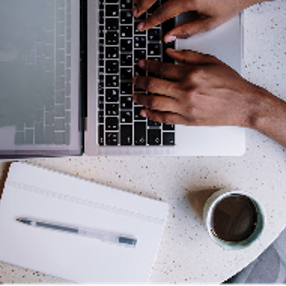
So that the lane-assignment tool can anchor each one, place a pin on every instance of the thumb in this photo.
(190, 29)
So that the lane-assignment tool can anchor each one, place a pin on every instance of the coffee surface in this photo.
(234, 218)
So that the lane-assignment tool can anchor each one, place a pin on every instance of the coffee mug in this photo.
(233, 218)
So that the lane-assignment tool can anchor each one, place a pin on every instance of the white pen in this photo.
(102, 235)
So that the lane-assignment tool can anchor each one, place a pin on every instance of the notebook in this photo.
(119, 231)
(65, 81)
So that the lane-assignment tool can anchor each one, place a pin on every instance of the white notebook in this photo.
(37, 194)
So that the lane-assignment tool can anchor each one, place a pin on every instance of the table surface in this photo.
(186, 253)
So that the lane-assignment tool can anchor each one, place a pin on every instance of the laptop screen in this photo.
(39, 78)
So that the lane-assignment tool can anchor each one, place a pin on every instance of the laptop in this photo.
(65, 81)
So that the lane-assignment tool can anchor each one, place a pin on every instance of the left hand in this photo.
(202, 92)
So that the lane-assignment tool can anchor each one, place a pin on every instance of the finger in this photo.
(157, 102)
(166, 11)
(164, 117)
(156, 85)
(165, 70)
(141, 6)
(190, 29)
(192, 57)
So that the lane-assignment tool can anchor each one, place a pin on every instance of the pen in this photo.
(102, 235)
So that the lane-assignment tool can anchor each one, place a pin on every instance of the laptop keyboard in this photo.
(121, 46)
(48, 56)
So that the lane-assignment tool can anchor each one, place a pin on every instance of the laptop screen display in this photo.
(39, 78)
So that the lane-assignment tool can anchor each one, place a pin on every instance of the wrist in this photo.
(264, 110)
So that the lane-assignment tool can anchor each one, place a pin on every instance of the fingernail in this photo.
(140, 26)
(170, 39)
(135, 11)
(141, 64)
(143, 113)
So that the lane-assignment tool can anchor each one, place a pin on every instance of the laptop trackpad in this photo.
(224, 42)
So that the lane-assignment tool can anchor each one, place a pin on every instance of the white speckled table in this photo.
(186, 254)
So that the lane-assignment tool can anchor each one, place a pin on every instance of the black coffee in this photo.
(234, 218)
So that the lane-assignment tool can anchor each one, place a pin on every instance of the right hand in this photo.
(211, 14)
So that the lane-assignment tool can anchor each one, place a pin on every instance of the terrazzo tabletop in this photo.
(186, 253)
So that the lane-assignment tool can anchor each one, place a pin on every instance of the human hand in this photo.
(202, 92)
(210, 14)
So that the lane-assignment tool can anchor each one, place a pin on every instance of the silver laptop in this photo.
(65, 82)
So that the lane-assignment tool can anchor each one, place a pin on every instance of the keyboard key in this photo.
(137, 32)
(126, 31)
(158, 59)
(101, 88)
(137, 115)
(100, 135)
(101, 4)
(140, 133)
(126, 73)
(111, 109)
(111, 24)
(126, 17)
(101, 17)
(101, 60)
(101, 102)
(101, 45)
(139, 55)
(112, 38)
(126, 116)
(138, 89)
(168, 127)
(152, 123)
(126, 88)
(111, 123)
(154, 35)
(126, 4)
(112, 95)
(126, 135)
(168, 138)
(126, 45)
(112, 52)
(154, 49)
(154, 136)
(111, 10)
(166, 58)
(101, 116)
(111, 138)
(101, 74)
(139, 42)
(101, 31)
(142, 17)
(112, 66)
(126, 60)
(126, 102)
(139, 71)
(112, 81)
